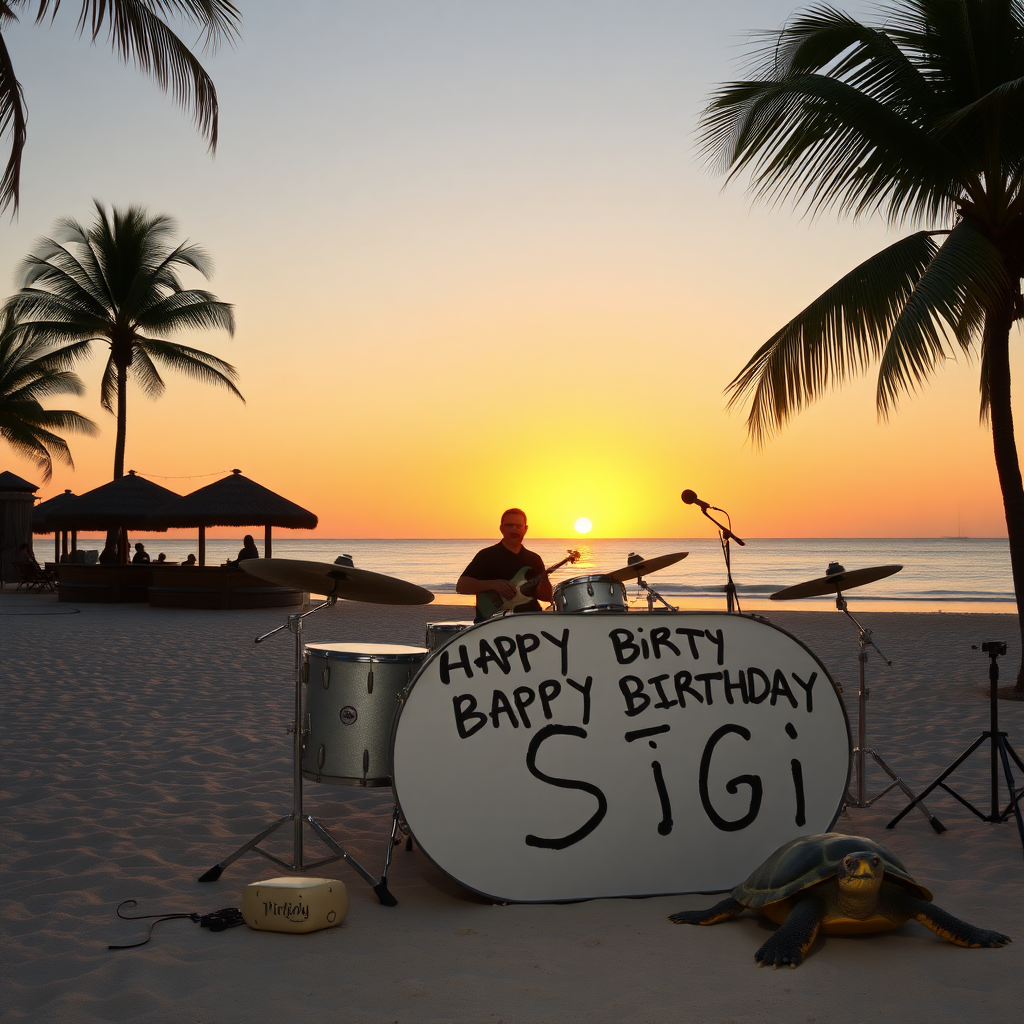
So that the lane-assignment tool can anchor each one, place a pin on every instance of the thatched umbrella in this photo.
(125, 504)
(58, 503)
(234, 501)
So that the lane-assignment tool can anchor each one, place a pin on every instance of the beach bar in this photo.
(122, 505)
(234, 500)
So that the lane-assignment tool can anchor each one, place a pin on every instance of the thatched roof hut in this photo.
(127, 502)
(234, 500)
(58, 503)
(123, 504)
(17, 496)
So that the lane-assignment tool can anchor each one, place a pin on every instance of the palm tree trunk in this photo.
(997, 346)
(122, 420)
(116, 536)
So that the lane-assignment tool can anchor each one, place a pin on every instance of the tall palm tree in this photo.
(919, 118)
(137, 32)
(117, 283)
(29, 372)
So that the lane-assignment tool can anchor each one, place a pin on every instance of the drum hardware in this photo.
(297, 816)
(725, 535)
(438, 633)
(835, 580)
(645, 587)
(1000, 752)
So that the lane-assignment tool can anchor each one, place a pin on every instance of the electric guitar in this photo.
(489, 603)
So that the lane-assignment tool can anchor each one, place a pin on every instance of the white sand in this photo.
(140, 746)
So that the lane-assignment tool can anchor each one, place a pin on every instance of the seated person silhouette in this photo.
(249, 550)
(140, 557)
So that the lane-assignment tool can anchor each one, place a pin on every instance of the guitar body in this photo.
(489, 604)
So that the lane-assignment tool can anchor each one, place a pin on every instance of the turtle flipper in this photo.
(952, 929)
(719, 912)
(789, 945)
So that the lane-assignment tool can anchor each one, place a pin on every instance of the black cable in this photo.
(218, 921)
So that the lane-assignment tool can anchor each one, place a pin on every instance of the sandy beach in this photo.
(142, 745)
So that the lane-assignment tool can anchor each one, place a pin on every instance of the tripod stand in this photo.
(861, 751)
(1000, 753)
(297, 816)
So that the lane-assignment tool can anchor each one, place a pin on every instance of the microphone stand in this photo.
(725, 534)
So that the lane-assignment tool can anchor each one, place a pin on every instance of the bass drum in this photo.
(545, 758)
(352, 695)
(590, 594)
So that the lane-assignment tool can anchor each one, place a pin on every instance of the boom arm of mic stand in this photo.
(729, 535)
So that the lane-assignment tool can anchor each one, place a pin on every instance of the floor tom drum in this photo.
(352, 696)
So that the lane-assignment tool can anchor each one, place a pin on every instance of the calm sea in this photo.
(938, 574)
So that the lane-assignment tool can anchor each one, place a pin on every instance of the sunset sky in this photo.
(477, 262)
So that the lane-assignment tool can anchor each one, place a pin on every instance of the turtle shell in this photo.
(808, 860)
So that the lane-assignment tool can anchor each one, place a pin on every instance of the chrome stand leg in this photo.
(297, 815)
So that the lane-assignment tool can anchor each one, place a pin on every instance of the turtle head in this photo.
(860, 875)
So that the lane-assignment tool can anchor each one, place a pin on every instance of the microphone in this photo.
(690, 498)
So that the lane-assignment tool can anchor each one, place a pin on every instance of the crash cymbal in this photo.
(646, 566)
(342, 581)
(835, 582)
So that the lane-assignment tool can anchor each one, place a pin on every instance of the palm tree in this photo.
(138, 33)
(117, 283)
(919, 118)
(31, 371)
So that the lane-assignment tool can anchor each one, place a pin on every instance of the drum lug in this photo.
(305, 669)
(369, 680)
(327, 676)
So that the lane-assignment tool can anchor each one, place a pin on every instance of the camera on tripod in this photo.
(996, 647)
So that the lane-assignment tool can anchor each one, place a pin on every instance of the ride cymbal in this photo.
(646, 566)
(835, 582)
(342, 581)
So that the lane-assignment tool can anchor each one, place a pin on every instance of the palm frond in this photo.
(193, 363)
(13, 120)
(145, 374)
(188, 311)
(837, 336)
(139, 36)
(966, 266)
(108, 386)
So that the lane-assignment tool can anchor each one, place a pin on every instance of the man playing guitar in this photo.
(493, 567)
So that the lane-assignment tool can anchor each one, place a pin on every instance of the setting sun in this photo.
(583, 525)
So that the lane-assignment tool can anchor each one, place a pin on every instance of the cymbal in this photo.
(646, 566)
(836, 582)
(343, 581)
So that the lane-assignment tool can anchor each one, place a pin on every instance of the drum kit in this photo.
(376, 715)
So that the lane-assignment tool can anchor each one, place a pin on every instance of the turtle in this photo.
(839, 884)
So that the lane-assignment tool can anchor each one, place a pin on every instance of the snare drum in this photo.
(590, 594)
(352, 695)
(439, 633)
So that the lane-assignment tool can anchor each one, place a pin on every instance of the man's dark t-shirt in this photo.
(498, 563)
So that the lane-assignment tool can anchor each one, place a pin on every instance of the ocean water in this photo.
(939, 574)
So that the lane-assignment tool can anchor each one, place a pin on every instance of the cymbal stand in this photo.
(1000, 753)
(297, 816)
(861, 751)
(653, 595)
